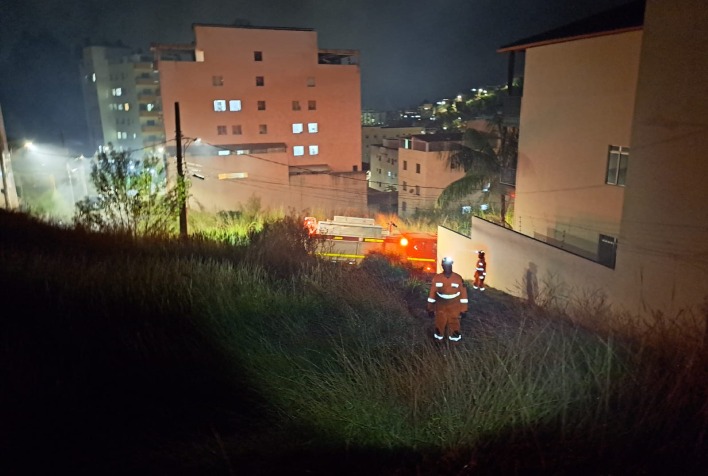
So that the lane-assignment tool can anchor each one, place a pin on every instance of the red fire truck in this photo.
(350, 239)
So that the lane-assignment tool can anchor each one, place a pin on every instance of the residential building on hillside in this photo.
(608, 168)
(374, 135)
(277, 118)
(121, 97)
(423, 170)
(383, 175)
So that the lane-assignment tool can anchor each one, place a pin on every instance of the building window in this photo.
(617, 160)
(220, 105)
(221, 130)
(405, 165)
(257, 56)
(261, 105)
(263, 129)
(298, 150)
(296, 105)
(117, 91)
(260, 81)
(126, 106)
(311, 105)
(607, 251)
(314, 149)
(311, 82)
(297, 128)
(405, 186)
(417, 168)
(217, 80)
(417, 189)
(403, 206)
(234, 105)
(312, 127)
(236, 130)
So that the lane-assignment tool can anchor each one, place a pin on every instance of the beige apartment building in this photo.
(373, 136)
(266, 114)
(611, 165)
(423, 170)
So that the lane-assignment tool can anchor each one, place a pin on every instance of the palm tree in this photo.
(483, 156)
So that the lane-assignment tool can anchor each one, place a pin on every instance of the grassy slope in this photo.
(198, 358)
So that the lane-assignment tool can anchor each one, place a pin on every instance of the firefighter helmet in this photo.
(447, 260)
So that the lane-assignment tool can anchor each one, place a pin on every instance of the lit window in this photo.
(298, 150)
(310, 82)
(93, 77)
(223, 152)
(149, 107)
(296, 105)
(236, 130)
(234, 105)
(120, 107)
(617, 160)
(126, 106)
(261, 105)
(312, 127)
(260, 81)
(217, 80)
(221, 130)
(257, 56)
(314, 149)
(117, 91)
(297, 128)
(220, 105)
(312, 105)
(263, 129)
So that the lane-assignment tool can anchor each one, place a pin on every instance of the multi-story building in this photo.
(277, 117)
(383, 174)
(609, 167)
(121, 97)
(424, 170)
(374, 135)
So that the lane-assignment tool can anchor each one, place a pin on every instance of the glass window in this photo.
(220, 105)
(221, 130)
(310, 82)
(257, 56)
(405, 165)
(312, 127)
(261, 105)
(263, 129)
(417, 168)
(260, 80)
(234, 104)
(297, 128)
(236, 130)
(312, 105)
(617, 160)
(298, 150)
(314, 149)
(296, 105)
(217, 80)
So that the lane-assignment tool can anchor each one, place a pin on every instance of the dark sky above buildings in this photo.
(411, 50)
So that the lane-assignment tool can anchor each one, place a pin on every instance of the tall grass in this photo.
(199, 356)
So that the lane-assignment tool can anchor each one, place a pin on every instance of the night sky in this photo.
(411, 50)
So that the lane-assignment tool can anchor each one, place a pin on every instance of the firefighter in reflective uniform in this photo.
(480, 271)
(447, 302)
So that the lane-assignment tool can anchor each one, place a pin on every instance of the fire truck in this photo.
(350, 239)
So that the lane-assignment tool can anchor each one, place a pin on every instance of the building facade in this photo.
(277, 117)
(121, 96)
(424, 171)
(374, 136)
(383, 173)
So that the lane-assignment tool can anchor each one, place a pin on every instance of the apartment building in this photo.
(611, 164)
(423, 170)
(374, 136)
(277, 118)
(383, 173)
(121, 97)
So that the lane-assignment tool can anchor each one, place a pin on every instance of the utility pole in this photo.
(9, 191)
(180, 177)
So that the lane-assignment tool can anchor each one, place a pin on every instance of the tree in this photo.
(131, 196)
(483, 156)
